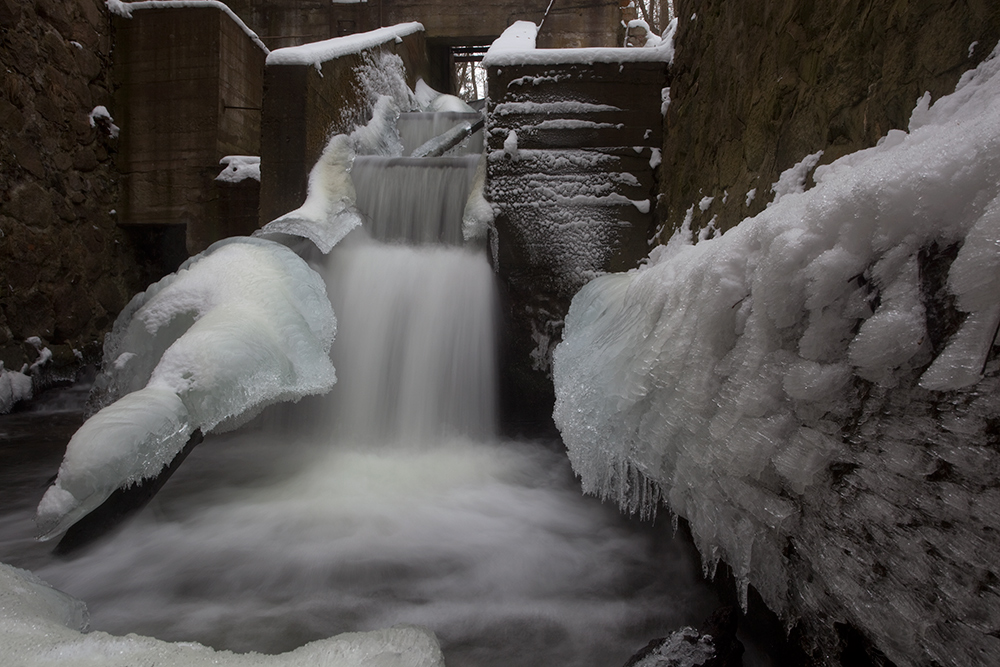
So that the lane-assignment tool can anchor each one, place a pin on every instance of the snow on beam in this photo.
(316, 53)
(125, 9)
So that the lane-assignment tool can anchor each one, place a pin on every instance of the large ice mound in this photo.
(730, 377)
(42, 626)
(243, 325)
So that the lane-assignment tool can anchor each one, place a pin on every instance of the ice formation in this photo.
(729, 378)
(329, 212)
(245, 324)
(14, 386)
(237, 168)
(42, 626)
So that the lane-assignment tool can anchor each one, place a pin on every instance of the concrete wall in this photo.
(564, 201)
(189, 93)
(758, 86)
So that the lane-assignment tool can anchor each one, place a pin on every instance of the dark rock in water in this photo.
(715, 645)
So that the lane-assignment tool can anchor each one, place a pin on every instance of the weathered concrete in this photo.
(189, 93)
(758, 86)
(574, 200)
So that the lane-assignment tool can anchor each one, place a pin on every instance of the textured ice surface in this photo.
(782, 387)
(42, 626)
(14, 386)
(243, 325)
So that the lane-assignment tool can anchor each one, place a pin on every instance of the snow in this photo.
(14, 387)
(516, 46)
(317, 53)
(100, 114)
(238, 168)
(510, 145)
(793, 179)
(41, 626)
(558, 107)
(241, 326)
(713, 377)
(125, 9)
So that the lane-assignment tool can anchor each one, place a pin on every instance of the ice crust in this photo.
(245, 324)
(725, 378)
(45, 627)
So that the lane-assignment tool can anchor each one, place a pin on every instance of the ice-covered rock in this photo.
(814, 390)
(245, 324)
(40, 626)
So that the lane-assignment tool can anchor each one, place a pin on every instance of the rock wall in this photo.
(759, 86)
(66, 268)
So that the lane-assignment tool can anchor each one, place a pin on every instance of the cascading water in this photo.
(390, 500)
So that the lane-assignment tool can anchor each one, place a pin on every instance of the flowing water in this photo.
(390, 501)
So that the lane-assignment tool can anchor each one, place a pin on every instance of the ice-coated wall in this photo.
(815, 391)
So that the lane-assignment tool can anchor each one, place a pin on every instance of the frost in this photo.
(241, 326)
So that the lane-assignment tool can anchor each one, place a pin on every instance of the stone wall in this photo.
(757, 86)
(66, 268)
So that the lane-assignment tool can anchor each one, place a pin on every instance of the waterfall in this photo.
(388, 501)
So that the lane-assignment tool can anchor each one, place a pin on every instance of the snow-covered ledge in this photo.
(516, 46)
(125, 9)
(317, 53)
